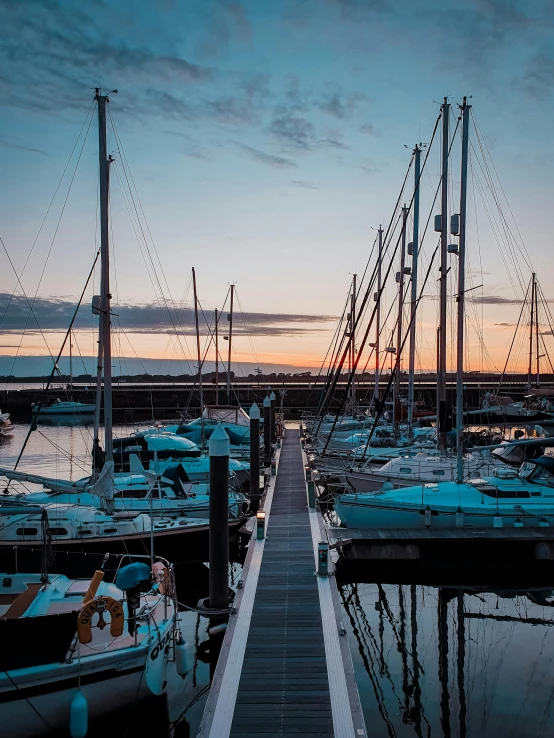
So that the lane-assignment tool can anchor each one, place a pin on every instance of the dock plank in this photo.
(283, 687)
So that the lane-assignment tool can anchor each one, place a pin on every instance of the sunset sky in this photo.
(267, 143)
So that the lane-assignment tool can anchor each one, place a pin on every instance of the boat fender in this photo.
(217, 630)
(428, 517)
(78, 716)
(100, 605)
(182, 657)
(387, 487)
(459, 518)
(93, 586)
(497, 521)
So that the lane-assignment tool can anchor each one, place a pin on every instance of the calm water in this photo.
(61, 450)
(434, 661)
(429, 661)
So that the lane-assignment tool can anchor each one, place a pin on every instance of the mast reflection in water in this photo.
(439, 661)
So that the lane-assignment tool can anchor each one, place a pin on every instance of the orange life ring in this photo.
(100, 605)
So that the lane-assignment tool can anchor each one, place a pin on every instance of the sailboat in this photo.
(72, 526)
(74, 650)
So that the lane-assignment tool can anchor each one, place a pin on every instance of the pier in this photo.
(285, 666)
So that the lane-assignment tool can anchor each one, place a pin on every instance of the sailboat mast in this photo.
(537, 330)
(396, 404)
(461, 294)
(531, 325)
(70, 361)
(353, 342)
(378, 311)
(105, 296)
(413, 296)
(441, 369)
(216, 318)
(230, 345)
(198, 350)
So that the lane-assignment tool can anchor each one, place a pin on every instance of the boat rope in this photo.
(372, 282)
(144, 241)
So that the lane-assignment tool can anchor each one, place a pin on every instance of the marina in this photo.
(276, 373)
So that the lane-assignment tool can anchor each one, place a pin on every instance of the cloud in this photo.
(506, 325)
(295, 131)
(336, 103)
(538, 79)
(305, 184)
(367, 128)
(55, 313)
(496, 300)
(11, 145)
(279, 162)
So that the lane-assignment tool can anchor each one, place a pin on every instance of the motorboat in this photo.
(78, 649)
(508, 498)
(62, 407)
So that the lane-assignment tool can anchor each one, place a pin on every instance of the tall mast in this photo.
(413, 297)
(441, 369)
(537, 330)
(395, 413)
(230, 345)
(461, 232)
(378, 311)
(198, 350)
(353, 342)
(70, 361)
(531, 325)
(216, 358)
(105, 296)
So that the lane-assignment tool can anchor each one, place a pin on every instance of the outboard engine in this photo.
(134, 579)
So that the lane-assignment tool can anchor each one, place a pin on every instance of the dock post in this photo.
(254, 458)
(272, 400)
(219, 519)
(267, 429)
(311, 494)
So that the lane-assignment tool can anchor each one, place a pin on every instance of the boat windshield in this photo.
(536, 474)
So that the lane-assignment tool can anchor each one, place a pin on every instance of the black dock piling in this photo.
(254, 458)
(272, 400)
(267, 429)
(219, 519)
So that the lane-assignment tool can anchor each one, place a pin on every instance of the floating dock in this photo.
(435, 554)
(285, 666)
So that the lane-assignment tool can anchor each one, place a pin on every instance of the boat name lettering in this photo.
(160, 647)
(126, 665)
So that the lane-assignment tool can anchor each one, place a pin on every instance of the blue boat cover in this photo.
(130, 576)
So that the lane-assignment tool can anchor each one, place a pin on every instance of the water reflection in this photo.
(452, 661)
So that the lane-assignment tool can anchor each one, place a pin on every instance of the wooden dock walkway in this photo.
(285, 669)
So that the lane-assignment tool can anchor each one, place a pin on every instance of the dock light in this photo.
(308, 473)
(260, 525)
(518, 523)
(543, 523)
(323, 559)
(273, 467)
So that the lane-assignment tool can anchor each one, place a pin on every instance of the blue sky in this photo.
(266, 140)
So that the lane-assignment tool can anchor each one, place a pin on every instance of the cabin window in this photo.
(58, 531)
(137, 493)
(405, 470)
(536, 494)
(84, 532)
(26, 531)
(110, 530)
(505, 494)
(438, 472)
